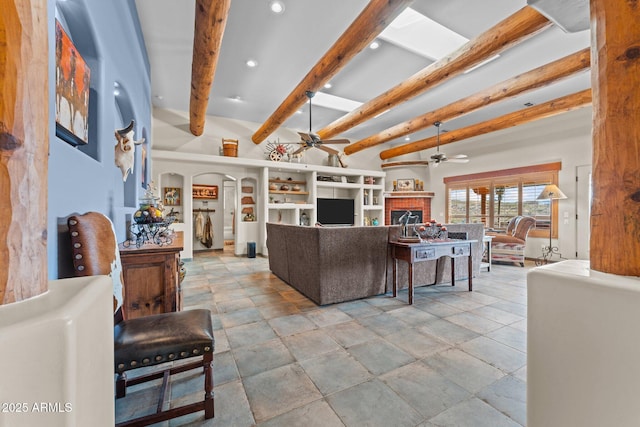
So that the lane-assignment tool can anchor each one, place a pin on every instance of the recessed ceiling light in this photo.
(407, 138)
(252, 63)
(374, 45)
(276, 6)
(236, 98)
(327, 85)
(299, 112)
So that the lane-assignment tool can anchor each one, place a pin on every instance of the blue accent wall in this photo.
(107, 35)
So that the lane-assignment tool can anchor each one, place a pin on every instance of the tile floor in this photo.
(454, 358)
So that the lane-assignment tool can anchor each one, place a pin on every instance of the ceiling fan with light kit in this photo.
(439, 157)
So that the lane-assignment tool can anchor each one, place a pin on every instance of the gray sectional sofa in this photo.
(335, 264)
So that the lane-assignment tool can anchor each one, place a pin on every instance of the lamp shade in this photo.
(551, 191)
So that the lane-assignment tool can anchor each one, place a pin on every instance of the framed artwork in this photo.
(205, 191)
(171, 196)
(72, 91)
(406, 185)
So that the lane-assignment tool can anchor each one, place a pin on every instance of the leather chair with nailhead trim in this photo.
(149, 340)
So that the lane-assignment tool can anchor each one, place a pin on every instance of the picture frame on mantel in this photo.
(406, 185)
(73, 77)
(205, 191)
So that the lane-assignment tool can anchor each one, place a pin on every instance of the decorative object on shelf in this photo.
(154, 233)
(375, 221)
(72, 91)
(249, 217)
(247, 189)
(125, 149)
(247, 210)
(247, 200)
(276, 151)
(431, 231)
(368, 180)
(408, 222)
(172, 196)
(295, 187)
(284, 187)
(304, 219)
(273, 186)
(405, 185)
(550, 192)
(200, 191)
(230, 147)
(150, 210)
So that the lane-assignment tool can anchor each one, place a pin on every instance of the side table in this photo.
(486, 241)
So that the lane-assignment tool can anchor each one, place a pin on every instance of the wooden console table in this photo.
(151, 278)
(418, 252)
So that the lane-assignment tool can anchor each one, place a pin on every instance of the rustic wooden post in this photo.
(24, 149)
(615, 210)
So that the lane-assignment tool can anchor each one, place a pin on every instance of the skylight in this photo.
(335, 102)
(421, 35)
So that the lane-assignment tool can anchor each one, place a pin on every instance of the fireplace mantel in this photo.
(409, 194)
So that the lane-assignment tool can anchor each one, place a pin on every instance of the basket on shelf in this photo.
(230, 147)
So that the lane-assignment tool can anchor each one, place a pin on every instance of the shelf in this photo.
(301, 193)
(286, 181)
(330, 184)
(290, 206)
(372, 207)
(372, 187)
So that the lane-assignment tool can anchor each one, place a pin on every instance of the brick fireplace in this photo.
(415, 201)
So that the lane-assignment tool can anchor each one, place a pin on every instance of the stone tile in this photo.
(521, 374)
(448, 332)
(512, 337)
(495, 353)
(250, 335)
(497, 315)
(465, 370)
(226, 295)
(521, 325)
(241, 317)
(310, 344)
(472, 413)
(335, 371)
(415, 343)
(373, 404)
(358, 308)
(479, 297)
(474, 322)
(458, 301)
(424, 389)
(279, 390)
(262, 357)
(270, 298)
(315, 414)
(379, 356)
(328, 316)
(289, 325)
(221, 343)
(411, 315)
(278, 310)
(234, 305)
(511, 307)
(350, 333)
(382, 324)
(509, 396)
(224, 369)
(436, 308)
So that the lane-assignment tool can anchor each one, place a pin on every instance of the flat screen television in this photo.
(336, 211)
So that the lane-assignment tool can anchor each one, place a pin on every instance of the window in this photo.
(493, 198)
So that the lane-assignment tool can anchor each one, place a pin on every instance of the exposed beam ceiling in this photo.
(534, 79)
(371, 21)
(537, 112)
(513, 30)
(211, 19)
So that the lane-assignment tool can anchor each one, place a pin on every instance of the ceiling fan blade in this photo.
(327, 149)
(459, 156)
(302, 149)
(337, 141)
(305, 137)
(457, 160)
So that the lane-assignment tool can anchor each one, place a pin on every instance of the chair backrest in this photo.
(511, 226)
(522, 228)
(95, 250)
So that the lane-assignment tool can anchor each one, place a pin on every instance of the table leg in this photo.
(453, 271)
(470, 271)
(410, 283)
(395, 277)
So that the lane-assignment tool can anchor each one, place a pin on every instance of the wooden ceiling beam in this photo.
(513, 30)
(364, 29)
(530, 114)
(526, 82)
(210, 22)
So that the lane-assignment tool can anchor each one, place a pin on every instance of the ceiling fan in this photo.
(439, 157)
(312, 140)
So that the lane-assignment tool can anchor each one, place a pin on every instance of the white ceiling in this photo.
(287, 46)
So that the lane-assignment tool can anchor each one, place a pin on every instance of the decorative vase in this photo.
(273, 186)
(284, 187)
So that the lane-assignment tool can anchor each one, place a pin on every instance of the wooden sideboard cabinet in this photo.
(151, 278)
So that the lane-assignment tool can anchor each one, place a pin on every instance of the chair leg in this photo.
(208, 386)
(121, 385)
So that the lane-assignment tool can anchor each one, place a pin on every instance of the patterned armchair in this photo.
(509, 247)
